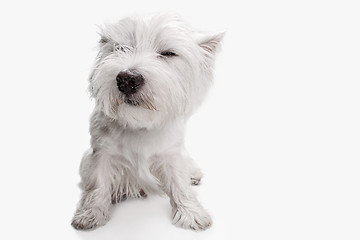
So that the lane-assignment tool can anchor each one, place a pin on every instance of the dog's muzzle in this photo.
(129, 82)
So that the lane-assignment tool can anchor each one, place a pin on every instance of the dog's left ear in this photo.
(212, 43)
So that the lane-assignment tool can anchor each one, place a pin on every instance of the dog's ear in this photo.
(103, 39)
(211, 43)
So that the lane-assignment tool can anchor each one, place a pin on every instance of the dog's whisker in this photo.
(146, 103)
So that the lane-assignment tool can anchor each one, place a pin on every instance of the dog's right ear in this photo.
(103, 40)
(103, 36)
(211, 43)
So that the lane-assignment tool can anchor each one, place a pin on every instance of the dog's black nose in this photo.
(129, 82)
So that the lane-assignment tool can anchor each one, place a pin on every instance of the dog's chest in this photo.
(142, 145)
(138, 152)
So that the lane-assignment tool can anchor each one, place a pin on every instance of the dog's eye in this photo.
(118, 47)
(168, 53)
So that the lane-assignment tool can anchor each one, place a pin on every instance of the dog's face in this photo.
(152, 70)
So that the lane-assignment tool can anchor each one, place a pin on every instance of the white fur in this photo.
(137, 149)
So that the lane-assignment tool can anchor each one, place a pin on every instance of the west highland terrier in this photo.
(150, 75)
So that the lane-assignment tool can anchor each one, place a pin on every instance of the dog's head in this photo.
(151, 70)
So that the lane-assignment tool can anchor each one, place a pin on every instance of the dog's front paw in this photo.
(89, 218)
(196, 219)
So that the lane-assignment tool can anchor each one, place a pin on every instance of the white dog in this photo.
(150, 75)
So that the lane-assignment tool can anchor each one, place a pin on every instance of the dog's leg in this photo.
(174, 176)
(94, 207)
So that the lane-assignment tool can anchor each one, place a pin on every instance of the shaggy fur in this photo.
(137, 140)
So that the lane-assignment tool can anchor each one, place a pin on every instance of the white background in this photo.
(278, 137)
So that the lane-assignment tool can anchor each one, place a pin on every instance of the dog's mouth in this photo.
(131, 102)
(139, 101)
